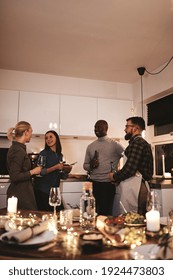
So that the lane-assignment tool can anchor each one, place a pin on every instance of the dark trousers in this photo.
(42, 200)
(142, 199)
(104, 195)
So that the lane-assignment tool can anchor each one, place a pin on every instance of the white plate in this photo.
(163, 221)
(135, 225)
(145, 252)
(40, 239)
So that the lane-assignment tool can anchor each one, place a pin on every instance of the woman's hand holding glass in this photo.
(36, 170)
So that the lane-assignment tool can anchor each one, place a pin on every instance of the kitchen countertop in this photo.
(161, 182)
(76, 178)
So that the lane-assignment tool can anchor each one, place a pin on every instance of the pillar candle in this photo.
(12, 204)
(153, 220)
(163, 164)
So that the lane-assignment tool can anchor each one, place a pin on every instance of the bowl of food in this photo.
(134, 219)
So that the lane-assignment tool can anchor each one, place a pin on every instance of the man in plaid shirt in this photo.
(139, 161)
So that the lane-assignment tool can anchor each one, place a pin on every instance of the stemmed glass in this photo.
(54, 199)
(41, 161)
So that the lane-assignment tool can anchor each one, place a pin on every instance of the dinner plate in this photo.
(145, 252)
(135, 225)
(163, 221)
(38, 240)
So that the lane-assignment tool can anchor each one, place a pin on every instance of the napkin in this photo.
(25, 234)
(166, 248)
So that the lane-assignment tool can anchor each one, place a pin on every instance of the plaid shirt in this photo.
(139, 158)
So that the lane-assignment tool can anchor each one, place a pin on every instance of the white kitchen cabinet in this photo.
(41, 110)
(78, 115)
(115, 112)
(165, 194)
(8, 109)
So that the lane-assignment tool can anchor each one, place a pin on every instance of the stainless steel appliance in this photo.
(4, 177)
(4, 184)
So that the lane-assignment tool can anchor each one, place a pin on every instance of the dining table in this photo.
(64, 246)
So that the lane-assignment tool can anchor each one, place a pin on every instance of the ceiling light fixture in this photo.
(141, 71)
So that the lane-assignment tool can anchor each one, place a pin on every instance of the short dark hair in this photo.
(103, 123)
(137, 121)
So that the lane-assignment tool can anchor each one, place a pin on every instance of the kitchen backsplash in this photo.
(73, 149)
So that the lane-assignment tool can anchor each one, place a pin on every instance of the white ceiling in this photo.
(95, 39)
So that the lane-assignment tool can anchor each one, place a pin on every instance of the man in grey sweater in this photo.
(102, 156)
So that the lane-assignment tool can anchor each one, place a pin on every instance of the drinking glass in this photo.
(41, 161)
(55, 198)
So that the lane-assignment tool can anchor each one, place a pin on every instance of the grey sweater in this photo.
(109, 152)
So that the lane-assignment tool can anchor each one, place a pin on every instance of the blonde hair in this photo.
(18, 130)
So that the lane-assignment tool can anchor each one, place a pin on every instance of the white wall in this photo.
(154, 87)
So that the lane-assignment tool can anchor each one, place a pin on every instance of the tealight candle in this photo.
(153, 220)
(12, 205)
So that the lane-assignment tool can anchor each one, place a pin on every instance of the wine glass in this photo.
(41, 161)
(54, 198)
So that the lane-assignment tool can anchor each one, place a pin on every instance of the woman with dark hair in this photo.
(52, 171)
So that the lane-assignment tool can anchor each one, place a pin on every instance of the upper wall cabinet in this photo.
(41, 110)
(8, 109)
(115, 112)
(78, 115)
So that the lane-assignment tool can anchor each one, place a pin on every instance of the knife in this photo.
(73, 163)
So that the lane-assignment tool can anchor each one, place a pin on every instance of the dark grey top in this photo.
(19, 165)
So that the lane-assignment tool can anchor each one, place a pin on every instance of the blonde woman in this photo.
(19, 166)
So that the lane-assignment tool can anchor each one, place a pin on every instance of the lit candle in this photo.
(163, 164)
(153, 220)
(12, 204)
